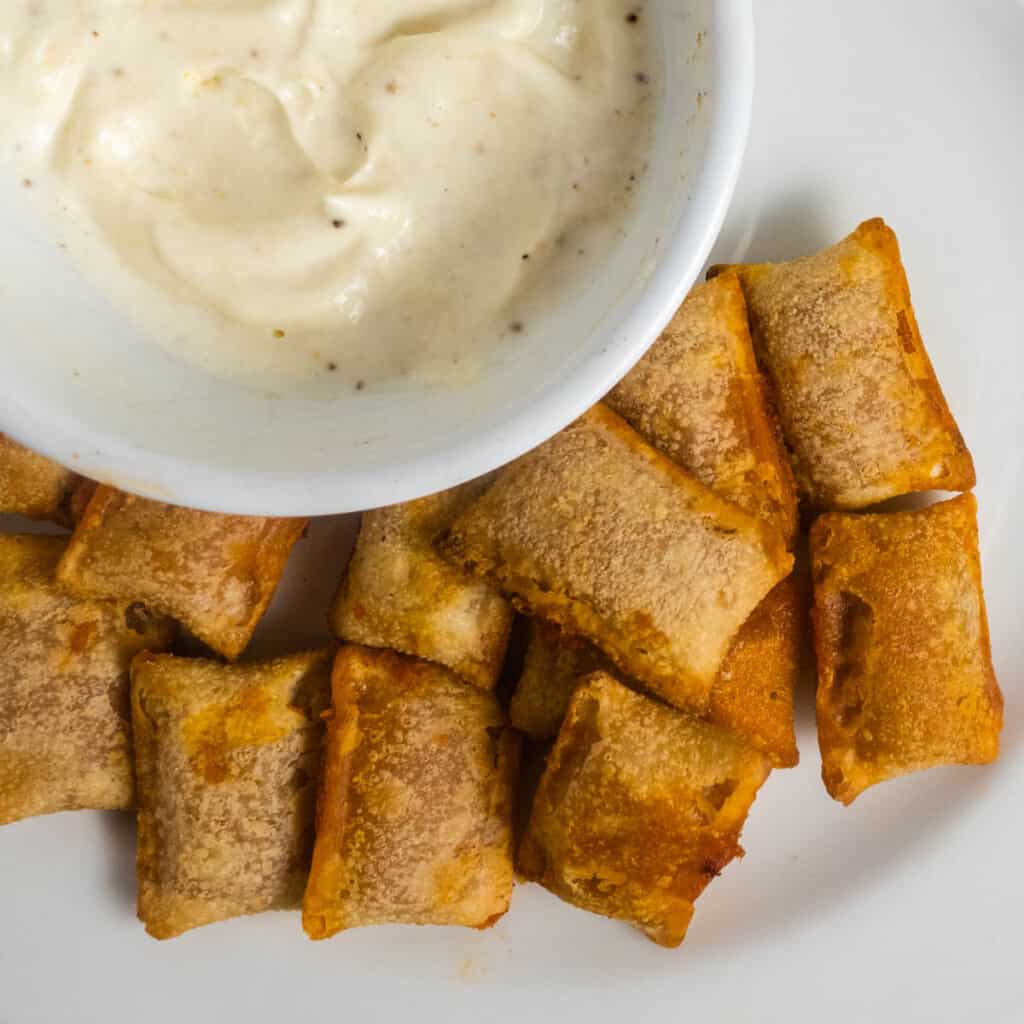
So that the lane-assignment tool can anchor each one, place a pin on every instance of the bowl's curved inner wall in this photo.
(79, 380)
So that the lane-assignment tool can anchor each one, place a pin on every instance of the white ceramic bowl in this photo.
(130, 415)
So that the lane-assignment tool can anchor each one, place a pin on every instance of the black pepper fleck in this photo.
(517, 327)
(332, 367)
(360, 385)
(642, 77)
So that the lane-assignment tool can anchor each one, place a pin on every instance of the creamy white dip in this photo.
(283, 189)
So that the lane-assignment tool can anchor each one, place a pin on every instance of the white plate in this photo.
(904, 907)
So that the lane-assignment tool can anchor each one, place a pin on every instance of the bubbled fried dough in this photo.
(858, 400)
(599, 533)
(228, 758)
(399, 593)
(640, 806)
(414, 821)
(699, 398)
(905, 678)
(33, 486)
(213, 573)
(65, 735)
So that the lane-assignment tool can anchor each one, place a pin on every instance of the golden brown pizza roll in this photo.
(414, 821)
(752, 695)
(214, 573)
(905, 677)
(553, 664)
(228, 758)
(699, 398)
(639, 808)
(599, 533)
(858, 400)
(399, 593)
(33, 486)
(65, 734)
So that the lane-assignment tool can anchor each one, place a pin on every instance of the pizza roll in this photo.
(905, 677)
(699, 398)
(214, 573)
(639, 808)
(414, 822)
(228, 758)
(752, 695)
(33, 486)
(400, 594)
(65, 736)
(553, 665)
(858, 400)
(599, 533)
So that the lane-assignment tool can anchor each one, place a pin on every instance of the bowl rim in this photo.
(182, 481)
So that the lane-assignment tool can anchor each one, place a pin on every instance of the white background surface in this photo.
(905, 907)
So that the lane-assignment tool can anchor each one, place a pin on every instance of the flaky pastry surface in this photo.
(32, 485)
(414, 820)
(399, 593)
(905, 677)
(228, 760)
(639, 808)
(65, 730)
(213, 573)
(699, 398)
(599, 533)
(752, 695)
(859, 403)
